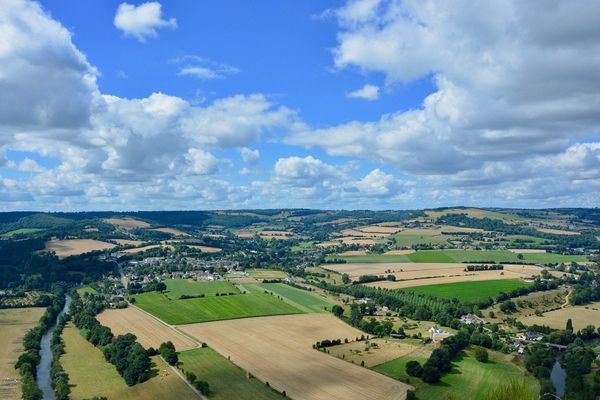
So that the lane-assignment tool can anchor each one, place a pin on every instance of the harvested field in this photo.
(91, 375)
(171, 231)
(386, 230)
(204, 249)
(581, 316)
(557, 231)
(14, 324)
(150, 247)
(479, 276)
(401, 270)
(372, 352)
(150, 332)
(395, 252)
(353, 253)
(360, 234)
(127, 223)
(279, 350)
(525, 251)
(529, 304)
(72, 247)
(128, 242)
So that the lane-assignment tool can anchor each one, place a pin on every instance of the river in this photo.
(558, 377)
(43, 378)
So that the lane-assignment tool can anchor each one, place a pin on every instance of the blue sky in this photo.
(330, 104)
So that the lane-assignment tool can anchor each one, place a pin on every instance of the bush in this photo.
(203, 387)
(430, 374)
(410, 395)
(413, 368)
(481, 355)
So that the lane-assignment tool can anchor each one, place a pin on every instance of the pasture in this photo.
(91, 375)
(581, 316)
(469, 291)
(226, 380)
(14, 324)
(171, 231)
(279, 350)
(215, 308)
(189, 287)
(20, 231)
(150, 332)
(469, 378)
(301, 299)
(72, 247)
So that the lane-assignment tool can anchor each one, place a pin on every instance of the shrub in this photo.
(413, 368)
(481, 355)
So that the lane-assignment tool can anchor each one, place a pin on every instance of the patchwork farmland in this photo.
(279, 350)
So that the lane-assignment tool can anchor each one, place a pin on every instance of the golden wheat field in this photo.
(72, 247)
(279, 350)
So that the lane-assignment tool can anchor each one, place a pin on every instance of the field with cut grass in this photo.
(212, 308)
(469, 291)
(14, 324)
(145, 248)
(469, 378)
(149, 331)
(72, 247)
(260, 273)
(279, 350)
(227, 380)
(462, 256)
(302, 299)
(189, 287)
(91, 375)
(127, 223)
(581, 316)
(171, 231)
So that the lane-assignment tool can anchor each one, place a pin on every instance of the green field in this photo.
(459, 256)
(189, 287)
(260, 273)
(469, 291)
(86, 290)
(91, 375)
(301, 299)
(302, 246)
(469, 378)
(21, 231)
(413, 240)
(212, 308)
(226, 380)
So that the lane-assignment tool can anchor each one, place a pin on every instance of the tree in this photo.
(346, 279)
(413, 368)
(569, 325)
(167, 351)
(481, 354)
(508, 306)
(430, 374)
(337, 310)
(355, 315)
(410, 395)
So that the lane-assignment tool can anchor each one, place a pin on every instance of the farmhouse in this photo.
(469, 319)
(530, 336)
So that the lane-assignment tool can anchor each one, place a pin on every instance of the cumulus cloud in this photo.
(367, 92)
(509, 85)
(142, 21)
(202, 162)
(249, 156)
(29, 165)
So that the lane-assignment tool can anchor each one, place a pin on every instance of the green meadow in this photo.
(212, 308)
(189, 287)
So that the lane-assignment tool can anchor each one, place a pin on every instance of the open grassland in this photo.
(204, 249)
(127, 223)
(91, 375)
(462, 256)
(469, 378)
(86, 290)
(301, 299)
(20, 231)
(557, 231)
(227, 380)
(72, 247)
(128, 242)
(14, 324)
(149, 331)
(259, 273)
(279, 350)
(189, 287)
(469, 291)
(212, 308)
(581, 316)
(529, 304)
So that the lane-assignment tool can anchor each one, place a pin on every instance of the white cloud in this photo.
(367, 92)
(202, 162)
(249, 156)
(204, 68)
(142, 21)
(29, 165)
(511, 88)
